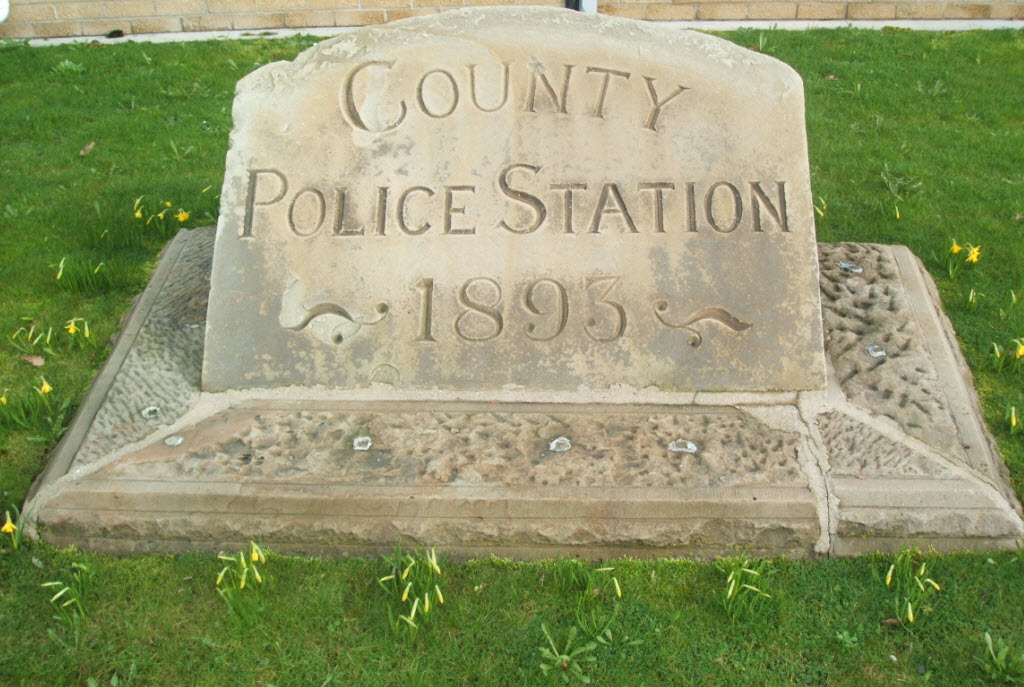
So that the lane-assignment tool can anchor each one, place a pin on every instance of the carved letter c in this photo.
(350, 104)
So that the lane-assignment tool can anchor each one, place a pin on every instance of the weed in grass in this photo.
(1018, 354)
(998, 357)
(164, 222)
(239, 575)
(1001, 663)
(1010, 305)
(12, 44)
(1011, 356)
(821, 207)
(571, 575)
(68, 68)
(972, 301)
(81, 277)
(900, 186)
(12, 528)
(762, 43)
(33, 339)
(741, 598)
(848, 640)
(954, 261)
(76, 326)
(973, 253)
(413, 582)
(911, 588)
(566, 662)
(207, 207)
(36, 411)
(115, 680)
(69, 602)
(38, 338)
(179, 154)
(11, 212)
(597, 606)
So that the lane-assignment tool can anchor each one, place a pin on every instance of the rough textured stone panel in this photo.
(162, 370)
(876, 346)
(856, 449)
(729, 448)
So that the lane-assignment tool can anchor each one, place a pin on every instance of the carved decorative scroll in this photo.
(329, 322)
(720, 315)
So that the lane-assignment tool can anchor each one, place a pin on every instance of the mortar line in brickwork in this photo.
(703, 25)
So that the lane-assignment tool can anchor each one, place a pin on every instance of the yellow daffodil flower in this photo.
(405, 594)
(45, 388)
(167, 203)
(3, 399)
(974, 254)
(618, 589)
(86, 325)
(9, 526)
(955, 248)
(440, 599)
(138, 214)
(182, 216)
(71, 327)
(1020, 349)
(60, 269)
(888, 575)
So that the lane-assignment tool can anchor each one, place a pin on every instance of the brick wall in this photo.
(52, 18)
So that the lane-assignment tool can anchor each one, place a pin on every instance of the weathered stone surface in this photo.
(520, 282)
(598, 446)
(518, 198)
(858, 450)
(876, 346)
(161, 372)
(480, 477)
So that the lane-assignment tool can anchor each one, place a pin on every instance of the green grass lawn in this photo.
(915, 138)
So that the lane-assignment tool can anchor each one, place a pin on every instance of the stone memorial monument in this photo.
(527, 281)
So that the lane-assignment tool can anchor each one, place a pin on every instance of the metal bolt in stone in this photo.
(682, 446)
(560, 444)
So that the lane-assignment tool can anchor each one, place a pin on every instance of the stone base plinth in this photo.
(893, 452)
